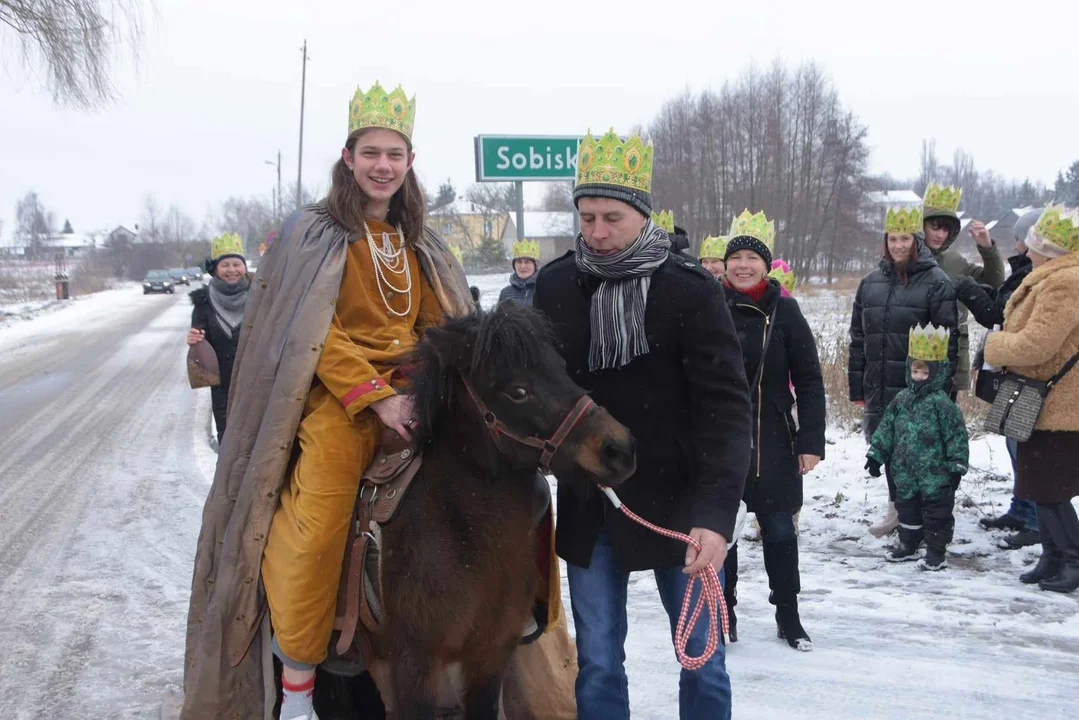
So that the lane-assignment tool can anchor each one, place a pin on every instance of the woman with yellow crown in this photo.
(779, 353)
(219, 312)
(908, 289)
(523, 280)
(1039, 341)
(713, 248)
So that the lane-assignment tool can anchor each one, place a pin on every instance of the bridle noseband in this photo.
(549, 446)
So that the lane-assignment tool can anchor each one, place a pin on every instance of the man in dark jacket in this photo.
(523, 280)
(649, 335)
(941, 228)
(987, 306)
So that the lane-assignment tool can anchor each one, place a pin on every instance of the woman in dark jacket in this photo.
(908, 289)
(218, 314)
(523, 280)
(782, 451)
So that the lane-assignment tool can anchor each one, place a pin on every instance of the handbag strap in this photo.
(768, 341)
(1063, 371)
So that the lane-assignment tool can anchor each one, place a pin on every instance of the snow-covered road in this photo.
(104, 467)
(101, 491)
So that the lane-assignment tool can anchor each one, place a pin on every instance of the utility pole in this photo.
(303, 91)
(279, 204)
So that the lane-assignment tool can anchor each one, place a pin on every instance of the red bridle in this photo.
(548, 447)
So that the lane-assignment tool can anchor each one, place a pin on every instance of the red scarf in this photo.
(754, 293)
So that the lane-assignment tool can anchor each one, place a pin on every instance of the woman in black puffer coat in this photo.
(908, 289)
(782, 452)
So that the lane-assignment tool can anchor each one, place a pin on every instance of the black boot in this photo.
(781, 564)
(1064, 526)
(789, 627)
(730, 590)
(1004, 522)
(1048, 564)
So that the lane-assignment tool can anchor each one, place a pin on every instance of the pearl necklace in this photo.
(393, 260)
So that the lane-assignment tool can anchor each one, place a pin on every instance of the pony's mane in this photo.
(509, 336)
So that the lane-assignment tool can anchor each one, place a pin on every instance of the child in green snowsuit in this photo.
(923, 441)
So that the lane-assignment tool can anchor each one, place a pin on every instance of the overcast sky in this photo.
(217, 92)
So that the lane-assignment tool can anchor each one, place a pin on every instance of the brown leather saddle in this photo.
(382, 489)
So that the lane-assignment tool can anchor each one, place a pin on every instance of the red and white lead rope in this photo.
(711, 596)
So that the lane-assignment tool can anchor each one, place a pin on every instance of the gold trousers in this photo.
(301, 566)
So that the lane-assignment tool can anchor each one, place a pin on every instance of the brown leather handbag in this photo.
(202, 368)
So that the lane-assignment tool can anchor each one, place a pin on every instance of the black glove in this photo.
(873, 467)
(955, 478)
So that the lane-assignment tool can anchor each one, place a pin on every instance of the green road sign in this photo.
(506, 158)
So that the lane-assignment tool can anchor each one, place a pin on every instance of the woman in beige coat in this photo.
(1040, 336)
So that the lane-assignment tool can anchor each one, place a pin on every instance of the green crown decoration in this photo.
(755, 225)
(226, 244)
(713, 246)
(904, 221)
(613, 161)
(529, 249)
(940, 197)
(782, 272)
(378, 109)
(1059, 225)
(928, 343)
(665, 219)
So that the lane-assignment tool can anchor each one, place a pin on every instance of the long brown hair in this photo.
(346, 200)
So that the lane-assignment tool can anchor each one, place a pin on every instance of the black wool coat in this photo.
(986, 304)
(686, 402)
(885, 309)
(774, 483)
(224, 345)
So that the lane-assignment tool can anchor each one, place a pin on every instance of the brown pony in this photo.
(458, 565)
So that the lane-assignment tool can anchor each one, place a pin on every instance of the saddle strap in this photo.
(347, 623)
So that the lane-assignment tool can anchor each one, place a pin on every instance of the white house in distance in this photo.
(878, 203)
(554, 231)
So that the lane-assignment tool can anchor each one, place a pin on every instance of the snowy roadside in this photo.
(51, 316)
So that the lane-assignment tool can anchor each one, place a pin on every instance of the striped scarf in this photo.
(617, 314)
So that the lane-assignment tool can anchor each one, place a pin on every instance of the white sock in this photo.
(297, 700)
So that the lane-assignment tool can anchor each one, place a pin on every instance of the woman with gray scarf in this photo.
(219, 312)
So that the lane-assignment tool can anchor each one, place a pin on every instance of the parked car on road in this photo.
(158, 281)
(179, 276)
(193, 273)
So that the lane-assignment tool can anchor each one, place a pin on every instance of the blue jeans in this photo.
(1025, 510)
(598, 599)
(776, 526)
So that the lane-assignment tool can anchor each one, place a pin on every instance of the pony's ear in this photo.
(452, 348)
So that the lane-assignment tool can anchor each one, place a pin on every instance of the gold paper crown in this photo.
(458, 254)
(1059, 225)
(612, 161)
(526, 249)
(928, 343)
(665, 219)
(939, 197)
(226, 244)
(905, 221)
(379, 109)
(755, 225)
(782, 272)
(713, 246)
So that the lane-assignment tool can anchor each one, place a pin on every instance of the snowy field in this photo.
(104, 465)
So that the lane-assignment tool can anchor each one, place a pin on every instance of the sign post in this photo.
(525, 158)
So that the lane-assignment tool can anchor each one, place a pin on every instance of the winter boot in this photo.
(887, 524)
(789, 627)
(1023, 538)
(934, 560)
(903, 553)
(1049, 563)
(1003, 522)
(730, 590)
(1063, 524)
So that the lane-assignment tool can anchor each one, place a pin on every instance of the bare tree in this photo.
(75, 42)
(558, 197)
(178, 227)
(929, 167)
(32, 226)
(151, 220)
